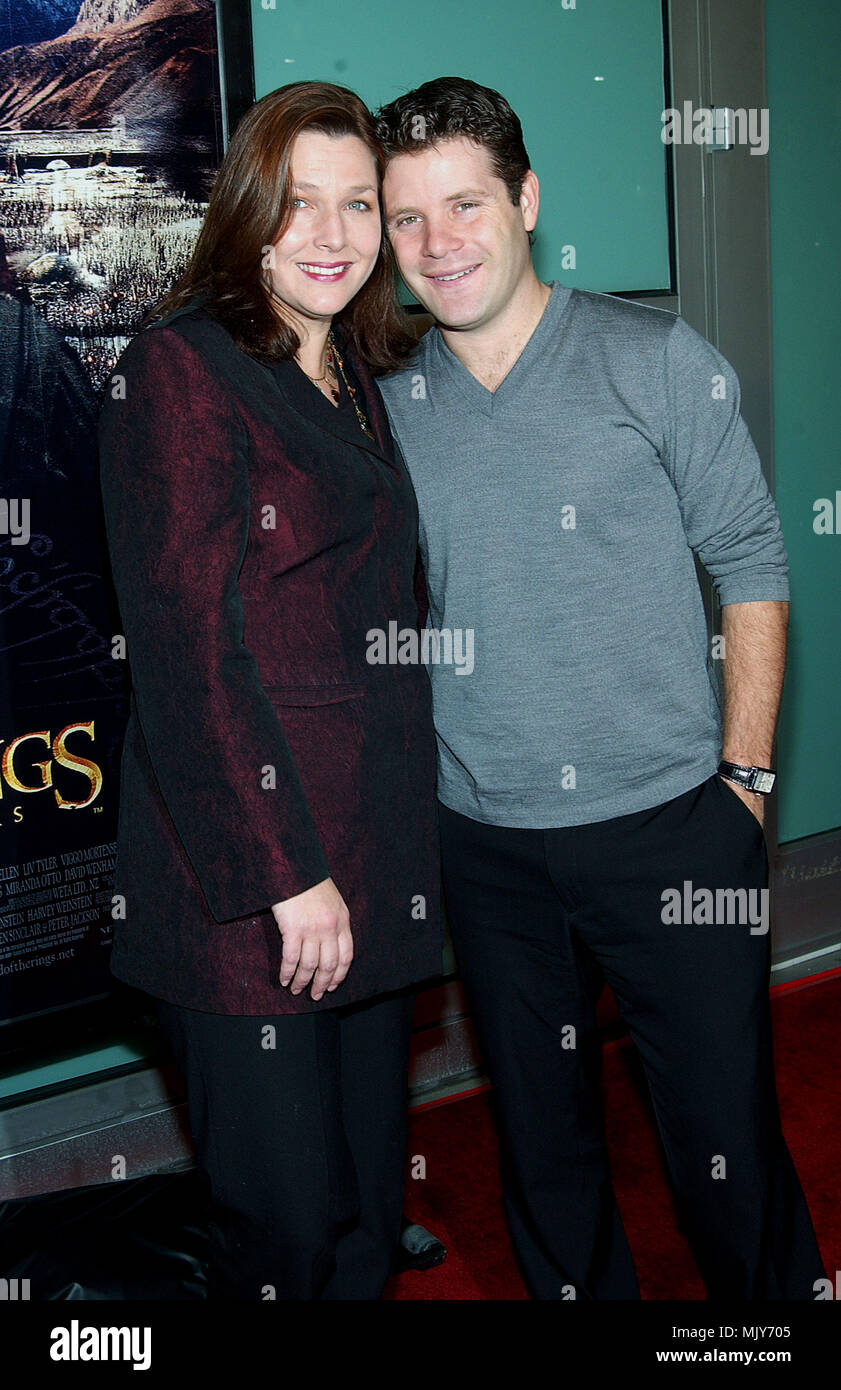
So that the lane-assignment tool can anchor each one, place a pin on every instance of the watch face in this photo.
(764, 782)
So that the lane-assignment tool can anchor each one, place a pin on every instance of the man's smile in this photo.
(453, 275)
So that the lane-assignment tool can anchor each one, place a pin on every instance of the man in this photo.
(570, 451)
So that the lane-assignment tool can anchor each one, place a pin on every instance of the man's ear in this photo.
(530, 199)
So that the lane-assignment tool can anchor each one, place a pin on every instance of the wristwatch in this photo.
(753, 779)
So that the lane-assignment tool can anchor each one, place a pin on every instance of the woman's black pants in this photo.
(538, 918)
(299, 1123)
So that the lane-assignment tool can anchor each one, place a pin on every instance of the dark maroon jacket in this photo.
(256, 535)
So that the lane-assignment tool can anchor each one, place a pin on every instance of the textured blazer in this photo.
(256, 536)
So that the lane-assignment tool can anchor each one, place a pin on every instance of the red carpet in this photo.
(459, 1198)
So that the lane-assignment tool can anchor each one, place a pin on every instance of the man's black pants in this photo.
(536, 917)
(302, 1144)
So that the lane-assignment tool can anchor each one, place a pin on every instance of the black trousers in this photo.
(302, 1144)
(538, 919)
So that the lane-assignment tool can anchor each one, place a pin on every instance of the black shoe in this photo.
(419, 1249)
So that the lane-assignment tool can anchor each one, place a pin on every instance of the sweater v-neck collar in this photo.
(490, 402)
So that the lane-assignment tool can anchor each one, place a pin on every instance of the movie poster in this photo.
(110, 134)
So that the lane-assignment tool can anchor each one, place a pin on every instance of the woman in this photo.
(277, 852)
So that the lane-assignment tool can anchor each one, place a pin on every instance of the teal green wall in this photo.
(594, 144)
(804, 100)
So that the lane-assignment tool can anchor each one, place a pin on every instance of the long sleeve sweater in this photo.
(559, 519)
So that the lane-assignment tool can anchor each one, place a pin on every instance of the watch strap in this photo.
(754, 779)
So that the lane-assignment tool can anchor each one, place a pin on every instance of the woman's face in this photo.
(333, 239)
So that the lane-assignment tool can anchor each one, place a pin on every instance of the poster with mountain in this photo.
(110, 133)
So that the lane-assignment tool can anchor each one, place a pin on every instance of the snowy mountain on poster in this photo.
(95, 14)
(147, 63)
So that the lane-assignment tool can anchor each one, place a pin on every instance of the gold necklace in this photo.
(334, 357)
(328, 364)
(332, 353)
(334, 390)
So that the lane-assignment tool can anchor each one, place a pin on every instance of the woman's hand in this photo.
(317, 944)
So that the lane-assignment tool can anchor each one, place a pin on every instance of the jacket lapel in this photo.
(301, 396)
(308, 401)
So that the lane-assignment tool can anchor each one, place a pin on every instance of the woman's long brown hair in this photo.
(250, 206)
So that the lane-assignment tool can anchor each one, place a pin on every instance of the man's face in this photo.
(447, 213)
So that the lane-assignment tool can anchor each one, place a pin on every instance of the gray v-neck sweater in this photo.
(558, 519)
